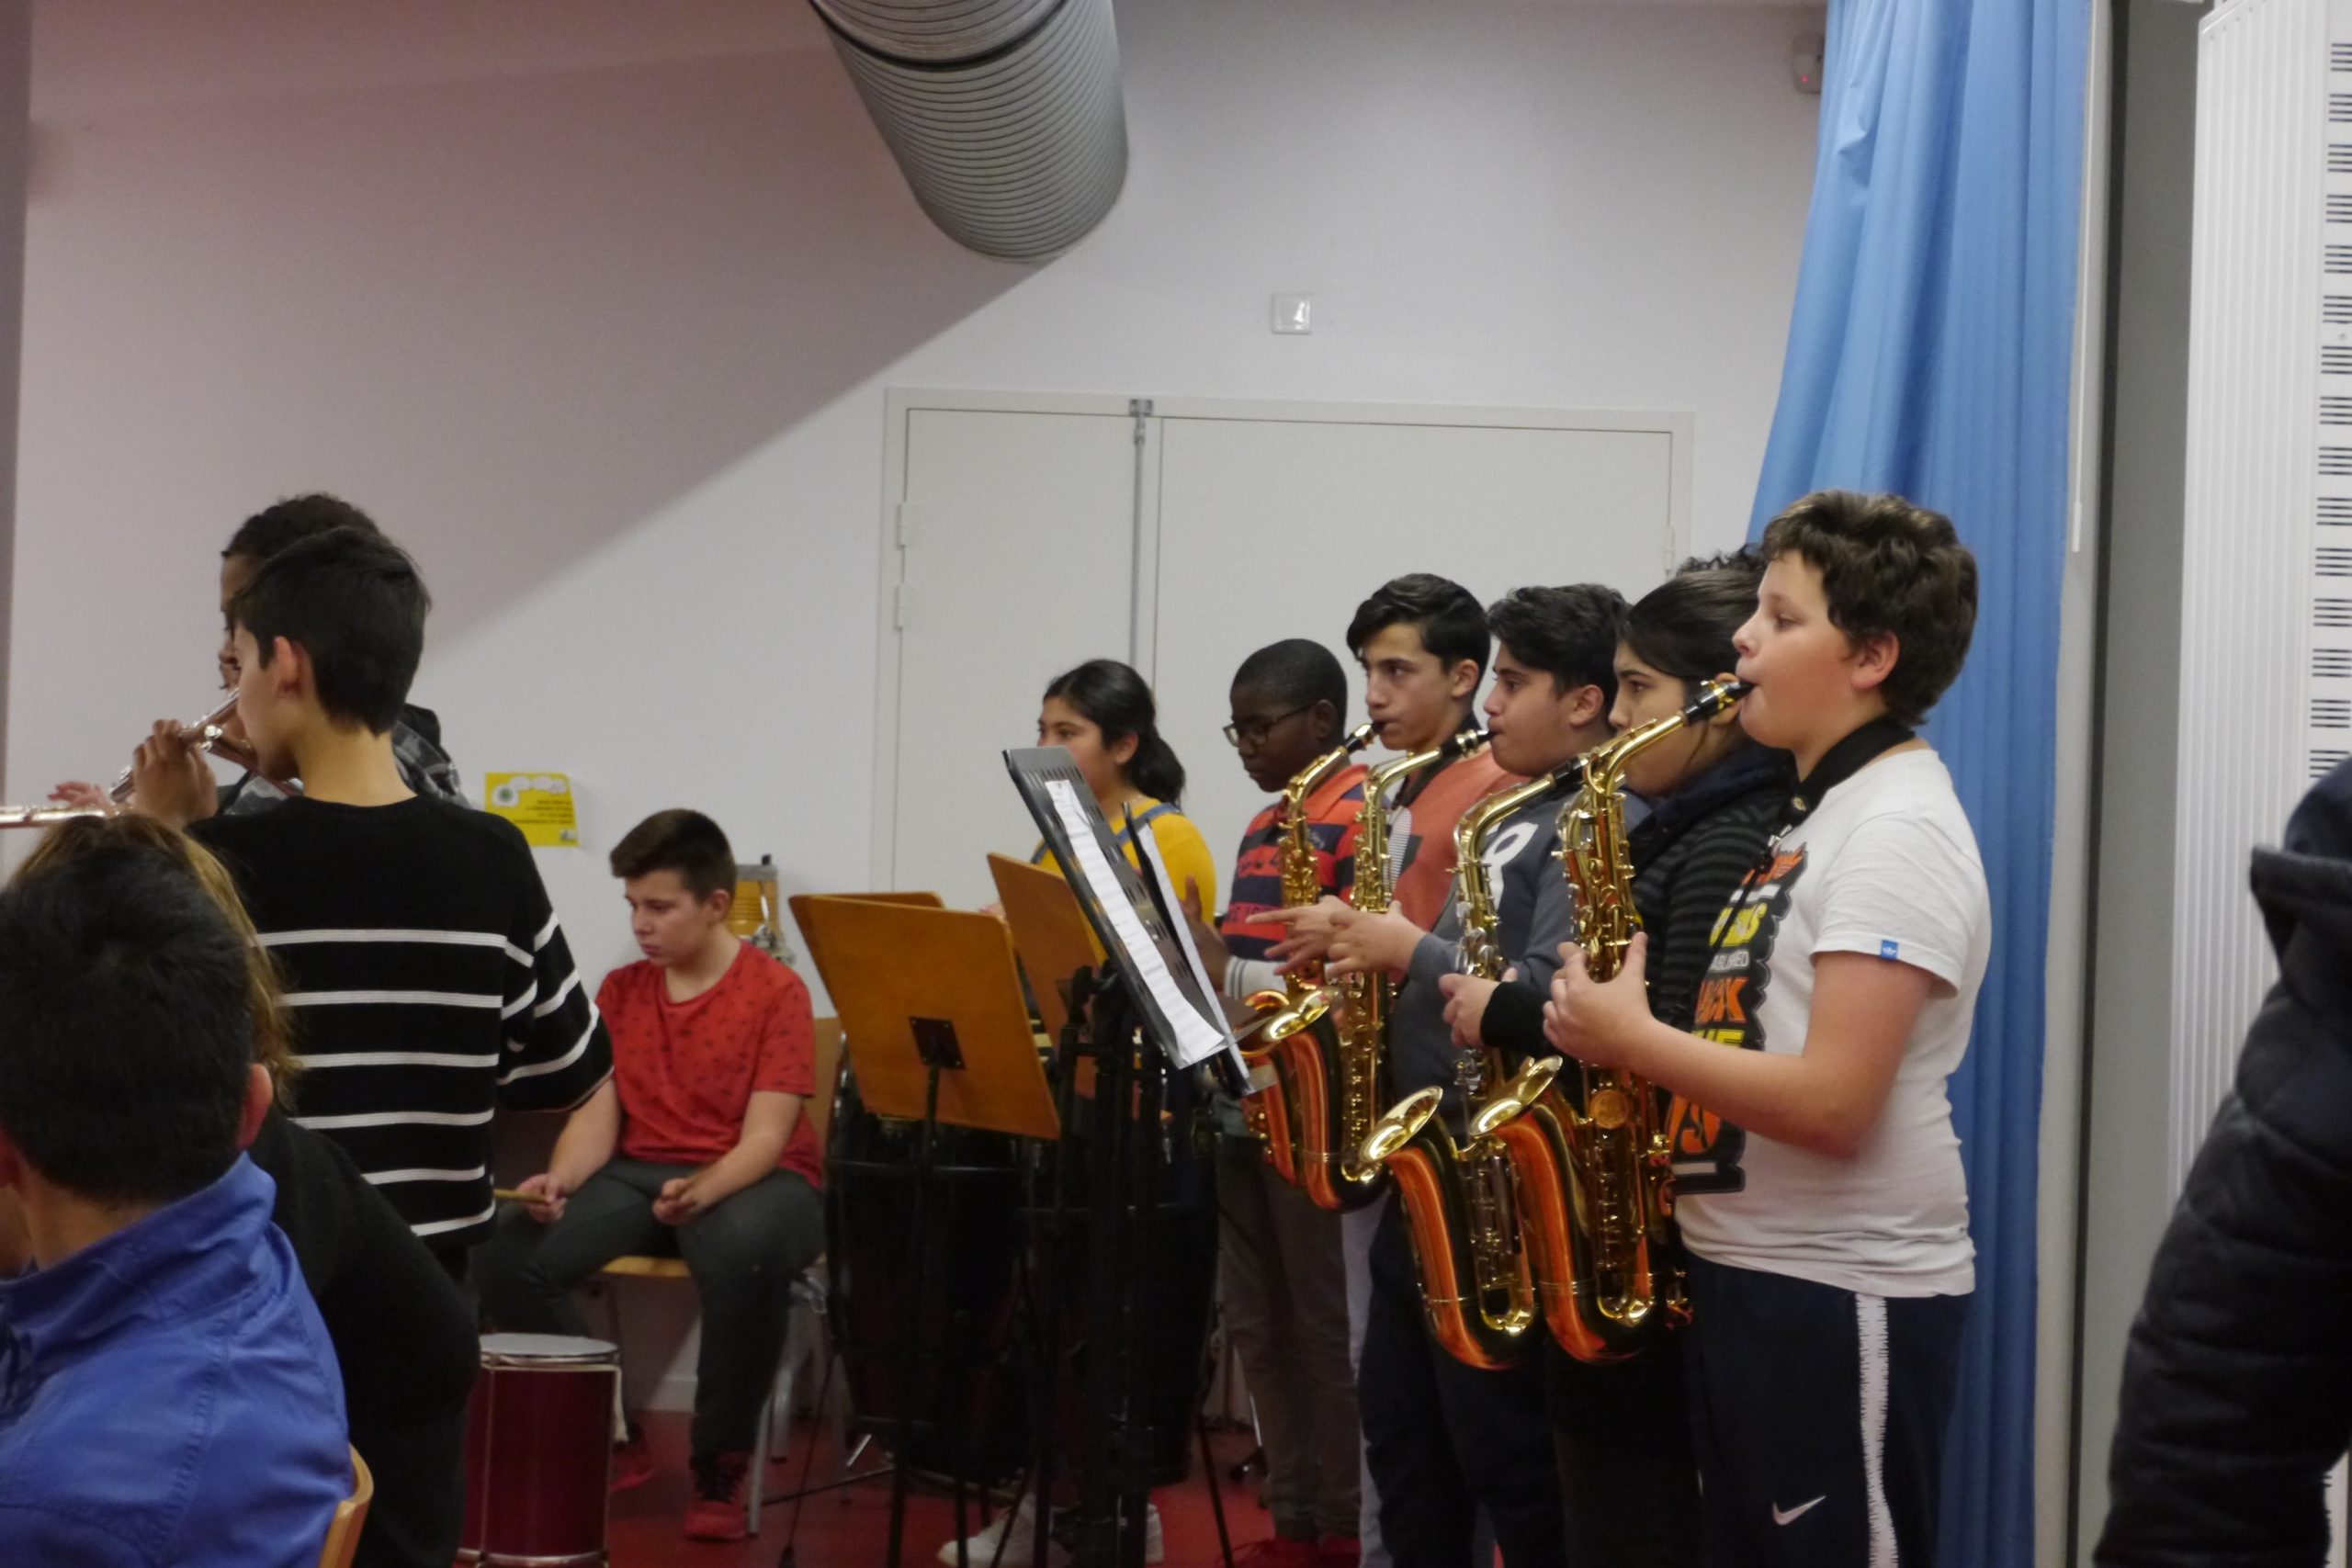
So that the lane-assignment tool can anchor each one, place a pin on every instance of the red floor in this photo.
(850, 1528)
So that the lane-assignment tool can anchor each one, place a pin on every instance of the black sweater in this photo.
(430, 985)
(401, 1329)
(1690, 854)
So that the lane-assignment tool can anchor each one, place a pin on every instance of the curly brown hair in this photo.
(1889, 568)
(273, 1026)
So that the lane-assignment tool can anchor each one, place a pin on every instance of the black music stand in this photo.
(937, 1033)
(1147, 991)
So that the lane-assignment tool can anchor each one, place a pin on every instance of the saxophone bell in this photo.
(1593, 1171)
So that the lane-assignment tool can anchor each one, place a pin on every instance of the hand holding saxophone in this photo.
(1364, 943)
(1600, 1023)
(1466, 996)
(1312, 926)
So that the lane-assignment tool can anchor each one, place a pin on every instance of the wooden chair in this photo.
(342, 1534)
(807, 1289)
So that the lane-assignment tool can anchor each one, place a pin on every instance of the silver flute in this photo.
(208, 734)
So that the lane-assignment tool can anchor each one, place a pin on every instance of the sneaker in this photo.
(1281, 1551)
(1021, 1522)
(632, 1460)
(717, 1512)
(1339, 1551)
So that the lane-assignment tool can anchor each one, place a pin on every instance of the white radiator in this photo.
(2267, 504)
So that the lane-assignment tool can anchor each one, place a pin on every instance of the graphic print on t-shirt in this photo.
(1499, 852)
(1706, 1148)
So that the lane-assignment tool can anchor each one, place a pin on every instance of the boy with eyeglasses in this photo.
(1282, 1270)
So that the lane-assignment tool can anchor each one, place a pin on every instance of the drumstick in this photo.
(508, 1195)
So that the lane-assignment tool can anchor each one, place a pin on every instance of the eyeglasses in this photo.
(1256, 731)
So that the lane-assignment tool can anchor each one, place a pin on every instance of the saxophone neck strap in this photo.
(1142, 819)
(1840, 762)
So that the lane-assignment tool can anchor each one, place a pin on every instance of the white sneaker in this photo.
(1021, 1520)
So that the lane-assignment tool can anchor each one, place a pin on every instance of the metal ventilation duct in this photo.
(1005, 114)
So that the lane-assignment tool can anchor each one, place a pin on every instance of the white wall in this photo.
(593, 308)
(596, 314)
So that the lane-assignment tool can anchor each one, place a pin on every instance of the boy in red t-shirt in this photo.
(697, 1148)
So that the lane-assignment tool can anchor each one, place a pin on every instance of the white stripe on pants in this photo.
(1870, 1322)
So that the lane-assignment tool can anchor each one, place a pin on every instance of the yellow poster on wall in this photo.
(539, 803)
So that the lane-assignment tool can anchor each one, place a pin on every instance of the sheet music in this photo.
(1147, 850)
(1195, 1039)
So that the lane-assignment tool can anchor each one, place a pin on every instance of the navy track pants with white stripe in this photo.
(1819, 1418)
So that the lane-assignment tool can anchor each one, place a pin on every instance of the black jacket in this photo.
(403, 1335)
(2237, 1384)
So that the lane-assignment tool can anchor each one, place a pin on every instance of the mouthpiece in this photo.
(1464, 743)
(1715, 696)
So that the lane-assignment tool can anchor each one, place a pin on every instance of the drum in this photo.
(923, 1358)
(540, 1451)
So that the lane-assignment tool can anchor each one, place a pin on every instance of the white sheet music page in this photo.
(1147, 850)
(1195, 1039)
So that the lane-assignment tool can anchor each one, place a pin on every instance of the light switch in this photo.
(1294, 312)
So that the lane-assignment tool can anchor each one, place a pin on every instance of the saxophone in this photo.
(1478, 1278)
(1596, 1184)
(1297, 1037)
(1366, 999)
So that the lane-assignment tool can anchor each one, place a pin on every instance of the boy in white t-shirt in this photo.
(1823, 1203)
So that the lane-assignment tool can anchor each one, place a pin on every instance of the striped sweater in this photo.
(1689, 853)
(430, 985)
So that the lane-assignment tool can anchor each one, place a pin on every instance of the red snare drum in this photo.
(540, 1451)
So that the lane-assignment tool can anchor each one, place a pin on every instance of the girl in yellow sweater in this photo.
(1103, 713)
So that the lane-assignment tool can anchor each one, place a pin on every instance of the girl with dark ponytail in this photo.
(1622, 1430)
(1104, 714)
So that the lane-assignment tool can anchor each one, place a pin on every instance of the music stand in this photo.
(919, 900)
(1146, 990)
(937, 1033)
(1050, 934)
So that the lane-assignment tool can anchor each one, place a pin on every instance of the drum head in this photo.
(545, 1349)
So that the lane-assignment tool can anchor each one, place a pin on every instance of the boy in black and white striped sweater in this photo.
(430, 980)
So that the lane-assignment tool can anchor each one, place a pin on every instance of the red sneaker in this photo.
(1281, 1551)
(717, 1512)
(1339, 1551)
(632, 1460)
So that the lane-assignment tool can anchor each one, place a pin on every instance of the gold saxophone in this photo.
(1366, 999)
(1300, 1037)
(1596, 1184)
(1478, 1278)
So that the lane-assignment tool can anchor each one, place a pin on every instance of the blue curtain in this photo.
(1929, 353)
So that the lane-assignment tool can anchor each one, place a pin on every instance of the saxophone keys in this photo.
(1610, 1107)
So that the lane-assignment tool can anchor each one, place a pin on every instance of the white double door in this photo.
(1025, 534)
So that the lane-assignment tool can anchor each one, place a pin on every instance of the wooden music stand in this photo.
(937, 1031)
(930, 1003)
(1049, 932)
(919, 900)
